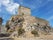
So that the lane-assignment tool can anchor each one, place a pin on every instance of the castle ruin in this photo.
(27, 23)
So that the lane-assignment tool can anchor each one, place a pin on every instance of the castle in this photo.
(27, 22)
(27, 12)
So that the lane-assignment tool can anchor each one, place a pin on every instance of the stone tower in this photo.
(24, 10)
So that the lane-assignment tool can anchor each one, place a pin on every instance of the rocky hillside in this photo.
(27, 26)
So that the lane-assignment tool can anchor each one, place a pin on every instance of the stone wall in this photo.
(26, 12)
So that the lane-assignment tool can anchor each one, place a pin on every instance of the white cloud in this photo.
(5, 2)
(50, 18)
(10, 6)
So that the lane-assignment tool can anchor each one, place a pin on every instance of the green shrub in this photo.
(7, 26)
(21, 31)
(35, 33)
(44, 27)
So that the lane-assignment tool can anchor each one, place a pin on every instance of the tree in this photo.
(7, 26)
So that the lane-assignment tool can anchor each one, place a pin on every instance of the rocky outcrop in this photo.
(27, 25)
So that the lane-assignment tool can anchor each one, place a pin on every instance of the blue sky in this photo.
(39, 8)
